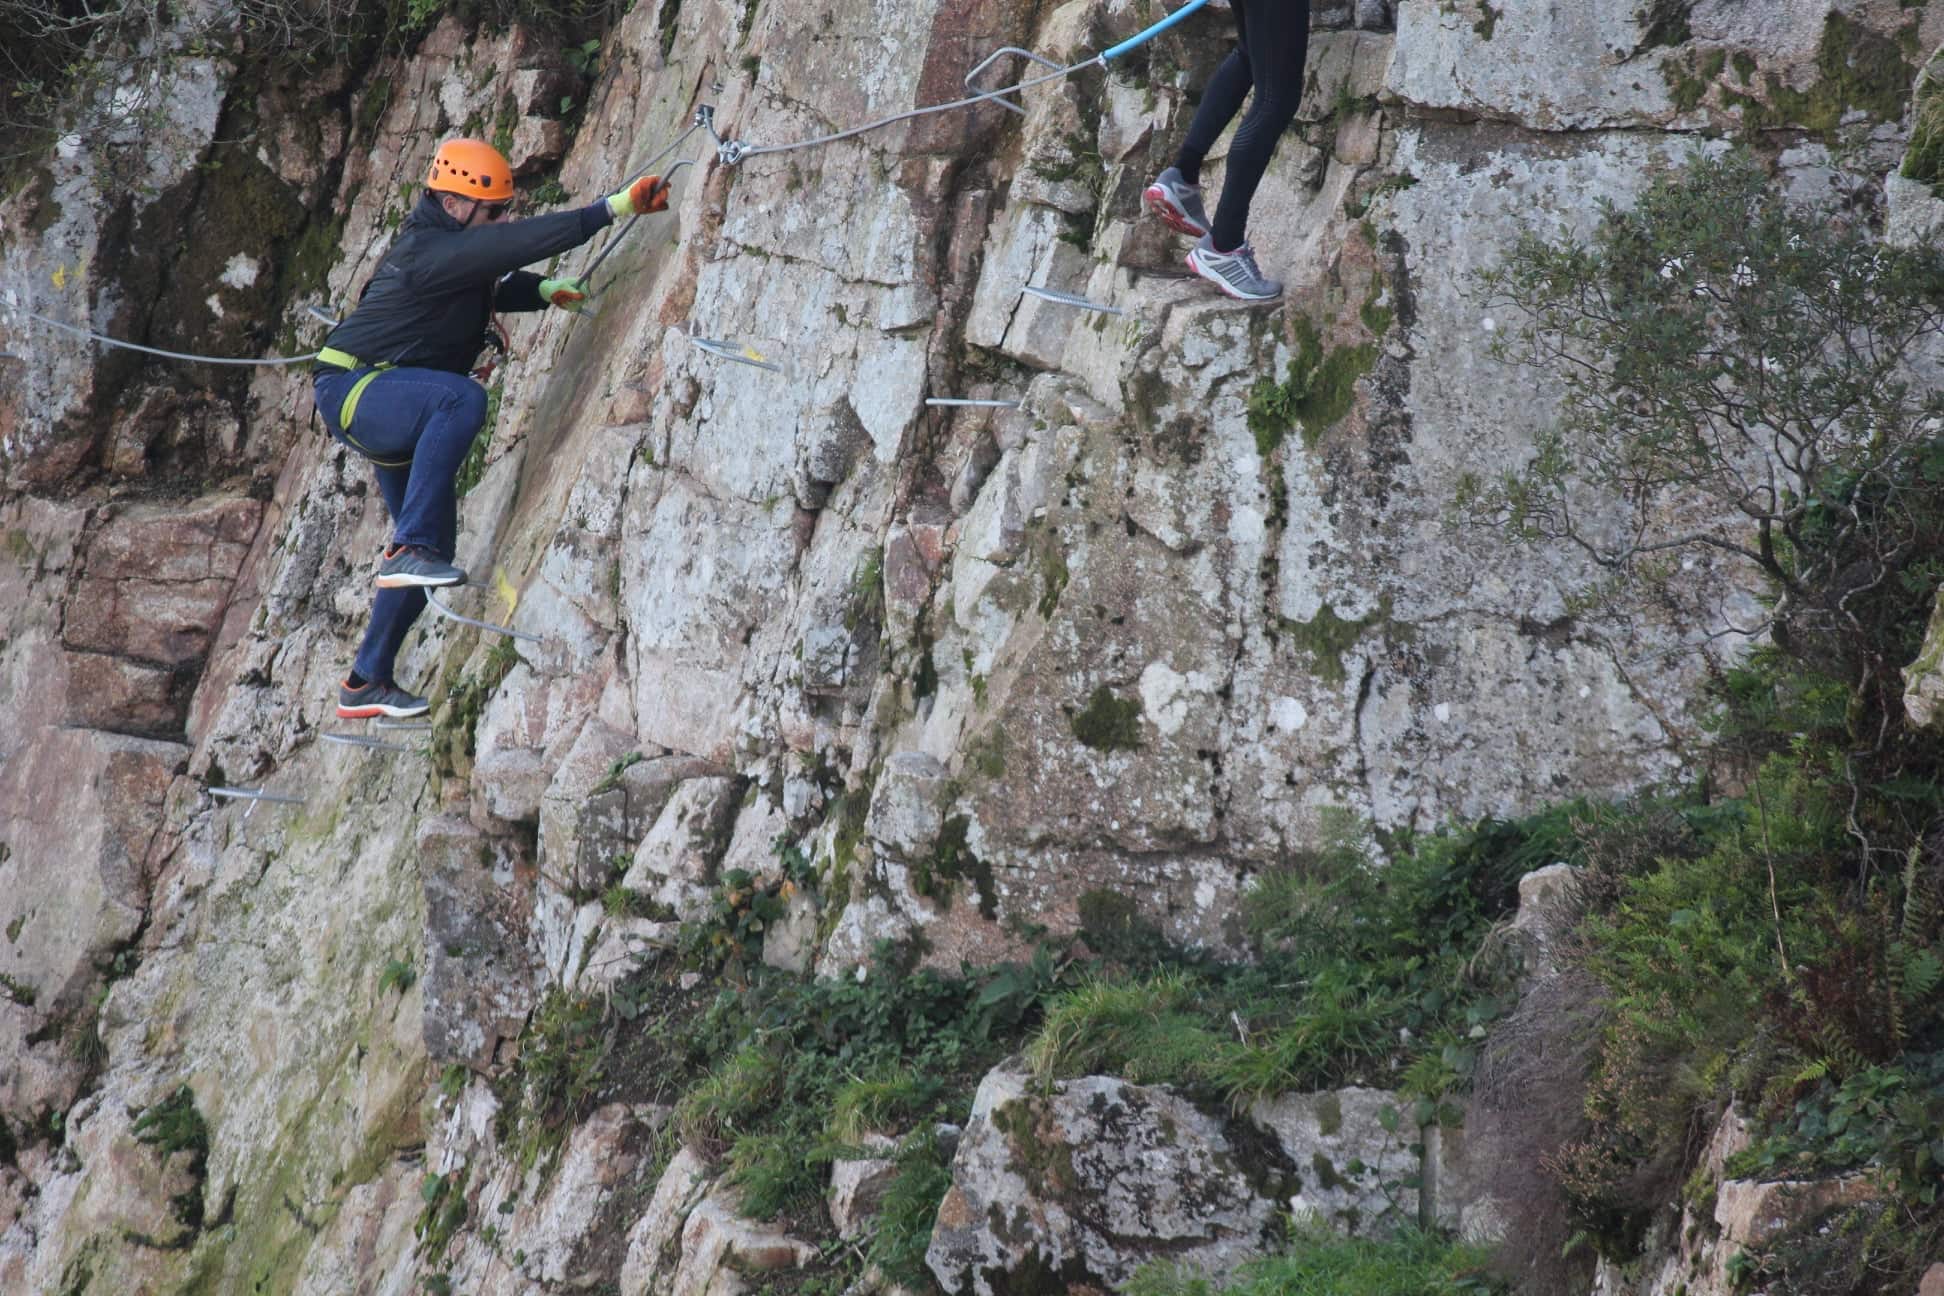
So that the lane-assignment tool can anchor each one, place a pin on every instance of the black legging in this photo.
(1272, 40)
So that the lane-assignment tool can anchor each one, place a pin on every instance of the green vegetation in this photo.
(800, 1066)
(1709, 326)
(17, 990)
(442, 1214)
(1109, 723)
(951, 861)
(171, 1126)
(1327, 636)
(1857, 69)
(455, 722)
(1318, 390)
(1780, 944)
(563, 1056)
(1925, 159)
(1664, 22)
(398, 975)
(908, 1211)
(1319, 1263)
(1397, 973)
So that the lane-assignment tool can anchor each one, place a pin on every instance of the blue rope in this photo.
(1142, 38)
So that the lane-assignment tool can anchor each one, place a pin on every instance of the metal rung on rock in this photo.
(255, 794)
(994, 57)
(1068, 299)
(444, 611)
(402, 726)
(982, 404)
(365, 740)
(731, 349)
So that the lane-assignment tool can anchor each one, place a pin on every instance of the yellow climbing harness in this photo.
(348, 410)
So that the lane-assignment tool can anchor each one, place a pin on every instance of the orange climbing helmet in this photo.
(472, 168)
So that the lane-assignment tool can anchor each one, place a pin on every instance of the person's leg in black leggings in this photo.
(1221, 100)
(1268, 58)
(1278, 42)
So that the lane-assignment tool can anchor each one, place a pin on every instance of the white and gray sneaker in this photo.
(1177, 203)
(1235, 273)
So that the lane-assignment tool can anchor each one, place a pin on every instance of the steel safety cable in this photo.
(703, 116)
(734, 151)
(105, 340)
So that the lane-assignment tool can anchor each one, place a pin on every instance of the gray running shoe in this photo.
(1177, 203)
(1235, 273)
(375, 699)
(410, 565)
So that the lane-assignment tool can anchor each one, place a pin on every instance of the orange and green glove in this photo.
(568, 294)
(645, 195)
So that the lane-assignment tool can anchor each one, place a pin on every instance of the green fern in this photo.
(1923, 973)
(1810, 1073)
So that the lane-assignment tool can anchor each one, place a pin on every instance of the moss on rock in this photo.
(1109, 723)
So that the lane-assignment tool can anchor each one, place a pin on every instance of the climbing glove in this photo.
(645, 195)
(568, 294)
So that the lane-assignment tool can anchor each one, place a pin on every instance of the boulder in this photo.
(1353, 1170)
(1087, 1182)
(857, 1186)
(676, 862)
(907, 805)
(654, 1239)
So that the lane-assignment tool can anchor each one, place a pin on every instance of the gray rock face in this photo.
(478, 981)
(1924, 677)
(1121, 643)
(1087, 1184)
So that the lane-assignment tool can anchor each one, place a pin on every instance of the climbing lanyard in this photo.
(704, 116)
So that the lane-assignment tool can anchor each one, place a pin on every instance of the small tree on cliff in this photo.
(1736, 375)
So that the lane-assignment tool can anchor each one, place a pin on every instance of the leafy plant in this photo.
(1320, 1263)
(442, 1212)
(585, 58)
(1736, 377)
(909, 1210)
(398, 975)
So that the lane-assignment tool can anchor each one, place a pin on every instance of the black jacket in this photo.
(429, 301)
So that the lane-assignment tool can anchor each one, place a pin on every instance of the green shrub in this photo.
(802, 1067)
(1319, 1263)
(1145, 1030)
(908, 1211)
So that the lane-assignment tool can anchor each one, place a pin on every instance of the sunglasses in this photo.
(495, 210)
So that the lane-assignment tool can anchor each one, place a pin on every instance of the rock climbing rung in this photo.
(994, 57)
(444, 611)
(731, 349)
(1068, 299)
(255, 794)
(981, 404)
(365, 740)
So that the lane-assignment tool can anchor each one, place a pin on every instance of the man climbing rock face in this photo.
(392, 380)
(1272, 41)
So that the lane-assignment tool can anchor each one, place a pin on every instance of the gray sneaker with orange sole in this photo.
(376, 699)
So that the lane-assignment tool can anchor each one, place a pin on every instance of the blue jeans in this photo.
(415, 425)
